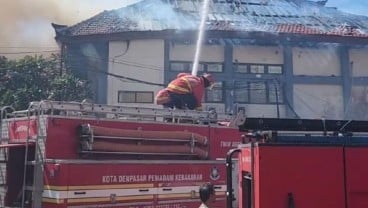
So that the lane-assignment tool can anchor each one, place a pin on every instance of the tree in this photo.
(35, 78)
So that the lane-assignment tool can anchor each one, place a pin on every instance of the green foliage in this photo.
(38, 78)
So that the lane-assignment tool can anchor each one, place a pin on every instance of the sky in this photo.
(25, 25)
(359, 7)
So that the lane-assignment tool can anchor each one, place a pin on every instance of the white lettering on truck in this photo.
(151, 178)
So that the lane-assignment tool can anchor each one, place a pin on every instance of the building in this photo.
(272, 58)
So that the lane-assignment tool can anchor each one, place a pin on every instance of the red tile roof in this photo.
(297, 28)
(308, 30)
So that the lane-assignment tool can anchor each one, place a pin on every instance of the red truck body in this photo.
(74, 177)
(298, 167)
(85, 160)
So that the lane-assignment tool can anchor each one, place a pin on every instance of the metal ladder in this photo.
(4, 113)
(85, 109)
(36, 187)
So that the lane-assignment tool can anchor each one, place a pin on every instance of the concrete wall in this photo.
(359, 62)
(258, 54)
(140, 59)
(317, 101)
(210, 53)
(316, 61)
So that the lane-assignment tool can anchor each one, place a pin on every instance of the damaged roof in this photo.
(274, 16)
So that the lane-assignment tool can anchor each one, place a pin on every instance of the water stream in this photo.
(202, 28)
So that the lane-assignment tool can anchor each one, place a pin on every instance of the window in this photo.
(179, 66)
(273, 69)
(216, 94)
(273, 89)
(184, 66)
(200, 67)
(241, 92)
(135, 97)
(258, 92)
(257, 69)
(242, 68)
(214, 68)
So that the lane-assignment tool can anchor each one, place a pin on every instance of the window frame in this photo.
(236, 67)
(274, 65)
(249, 68)
(136, 93)
(204, 66)
(269, 85)
(216, 88)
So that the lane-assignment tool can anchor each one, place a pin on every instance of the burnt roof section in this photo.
(274, 16)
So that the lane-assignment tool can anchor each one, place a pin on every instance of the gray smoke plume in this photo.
(26, 25)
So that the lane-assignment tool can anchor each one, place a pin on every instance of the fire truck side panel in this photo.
(356, 176)
(245, 168)
(55, 185)
(290, 175)
(222, 140)
(62, 141)
(62, 138)
(135, 184)
(19, 130)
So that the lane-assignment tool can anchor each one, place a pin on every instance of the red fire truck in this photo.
(65, 154)
(68, 154)
(300, 163)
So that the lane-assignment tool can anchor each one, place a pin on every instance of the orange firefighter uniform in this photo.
(186, 91)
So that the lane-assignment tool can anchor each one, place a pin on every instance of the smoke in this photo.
(163, 16)
(25, 26)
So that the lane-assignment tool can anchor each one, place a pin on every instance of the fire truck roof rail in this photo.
(277, 124)
(80, 109)
(6, 111)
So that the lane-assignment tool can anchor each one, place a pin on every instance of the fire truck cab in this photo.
(300, 163)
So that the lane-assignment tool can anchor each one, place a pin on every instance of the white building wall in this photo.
(359, 62)
(209, 53)
(316, 62)
(141, 60)
(144, 60)
(318, 101)
(257, 54)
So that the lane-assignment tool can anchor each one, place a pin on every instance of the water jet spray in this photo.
(200, 36)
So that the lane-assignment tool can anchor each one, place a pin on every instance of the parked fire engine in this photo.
(300, 163)
(68, 154)
(65, 154)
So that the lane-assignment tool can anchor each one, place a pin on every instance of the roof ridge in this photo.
(159, 15)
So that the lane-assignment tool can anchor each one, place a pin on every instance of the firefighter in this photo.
(207, 195)
(185, 92)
